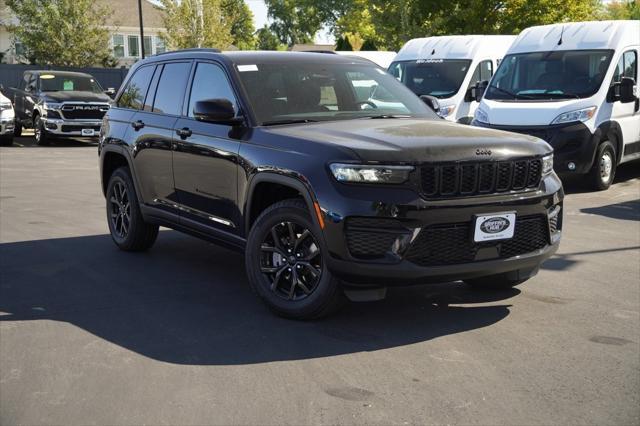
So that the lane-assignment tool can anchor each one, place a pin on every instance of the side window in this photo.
(210, 82)
(627, 66)
(25, 81)
(133, 95)
(483, 72)
(171, 88)
(631, 64)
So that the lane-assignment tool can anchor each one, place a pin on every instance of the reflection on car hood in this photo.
(417, 140)
(75, 96)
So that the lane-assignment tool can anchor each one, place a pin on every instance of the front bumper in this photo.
(402, 261)
(574, 146)
(6, 127)
(61, 127)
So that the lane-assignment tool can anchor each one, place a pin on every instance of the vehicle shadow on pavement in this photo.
(627, 210)
(624, 173)
(188, 302)
(29, 142)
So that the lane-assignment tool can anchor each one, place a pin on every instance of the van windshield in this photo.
(441, 78)
(549, 76)
(282, 93)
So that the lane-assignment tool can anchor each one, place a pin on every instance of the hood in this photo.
(75, 96)
(416, 140)
(530, 113)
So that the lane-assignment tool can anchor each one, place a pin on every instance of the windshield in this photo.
(441, 78)
(294, 91)
(64, 83)
(549, 76)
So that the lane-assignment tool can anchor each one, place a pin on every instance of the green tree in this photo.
(368, 45)
(268, 40)
(625, 9)
(343, 44)
(294, 21)
(242, 29)
(196, 23)
(68, 33)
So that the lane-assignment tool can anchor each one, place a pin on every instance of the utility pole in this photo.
(141, 28)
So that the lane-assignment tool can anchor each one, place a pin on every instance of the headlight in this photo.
(481, 116)
(446, 111)
(547, 164)
(578, 115)
(5, 105)
(362, 173)
(53, 106)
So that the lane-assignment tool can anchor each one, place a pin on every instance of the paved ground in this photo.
(91, 335)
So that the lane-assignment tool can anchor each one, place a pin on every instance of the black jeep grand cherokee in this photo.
(331, 175)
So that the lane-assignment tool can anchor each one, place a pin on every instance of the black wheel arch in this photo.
(111, 158)
(294, 185)
(606, 131)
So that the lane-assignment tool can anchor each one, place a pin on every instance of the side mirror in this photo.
(626, 90)
(110, 91)
(219, 111)
(478, 91)
(432, 102)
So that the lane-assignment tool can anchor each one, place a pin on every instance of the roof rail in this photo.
(195, 49)
(330, 52)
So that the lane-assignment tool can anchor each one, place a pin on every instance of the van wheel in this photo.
(286, 263)
(128, 229)
(39, 132)
(604, 167)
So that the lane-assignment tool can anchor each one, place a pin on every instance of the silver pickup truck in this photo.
(59, 104)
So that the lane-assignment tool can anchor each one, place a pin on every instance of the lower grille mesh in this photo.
(453, 243)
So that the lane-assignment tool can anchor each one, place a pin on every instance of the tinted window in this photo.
(483, 72)
(627, 67)
(136, 89)
(210, 82)
(171, 88)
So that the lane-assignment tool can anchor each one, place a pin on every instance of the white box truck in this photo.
(450, 68)
(575, 86)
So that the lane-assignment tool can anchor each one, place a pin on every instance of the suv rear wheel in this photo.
(128, 229)
(286, 263)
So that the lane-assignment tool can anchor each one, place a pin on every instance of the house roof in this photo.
(125, 13)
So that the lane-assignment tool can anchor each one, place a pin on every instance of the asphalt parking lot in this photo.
(92, 335)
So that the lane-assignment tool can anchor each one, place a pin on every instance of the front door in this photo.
(205, 162)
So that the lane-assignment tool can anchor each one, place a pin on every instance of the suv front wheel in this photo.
(286, 263)
(128, 229)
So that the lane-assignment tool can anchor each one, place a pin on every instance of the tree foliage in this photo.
(268, 40)
(294, 21)
(196, 23)
(67, 33)
(343, 44)
(241, 18)
(625, 9)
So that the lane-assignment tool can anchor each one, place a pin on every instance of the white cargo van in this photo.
(575, 86)
(449, 68)
(379, 57)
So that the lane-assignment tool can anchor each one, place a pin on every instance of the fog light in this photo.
(571, 166)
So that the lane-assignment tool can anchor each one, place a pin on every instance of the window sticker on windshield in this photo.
(67, 85)
(245, 68)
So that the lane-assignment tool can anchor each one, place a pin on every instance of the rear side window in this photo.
(134, 93)
(171, 88)
(210, 82)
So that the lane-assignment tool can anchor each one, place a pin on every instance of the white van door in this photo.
(628, 115)
(468, 106)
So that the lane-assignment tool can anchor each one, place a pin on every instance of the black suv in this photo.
(329, 174)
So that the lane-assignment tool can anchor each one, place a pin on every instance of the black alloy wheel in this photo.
(291, 260)
(120, 210)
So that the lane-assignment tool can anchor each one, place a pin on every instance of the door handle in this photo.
(137, 125)
(184, 133)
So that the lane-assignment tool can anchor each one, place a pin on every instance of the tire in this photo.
(6, 140)
(129, 231)
(39, 132)
(317, 292)
(501, 281)
(17, 130)
(604, 167)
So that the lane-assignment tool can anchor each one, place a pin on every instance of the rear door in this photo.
(151, 134)
(206, 158)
